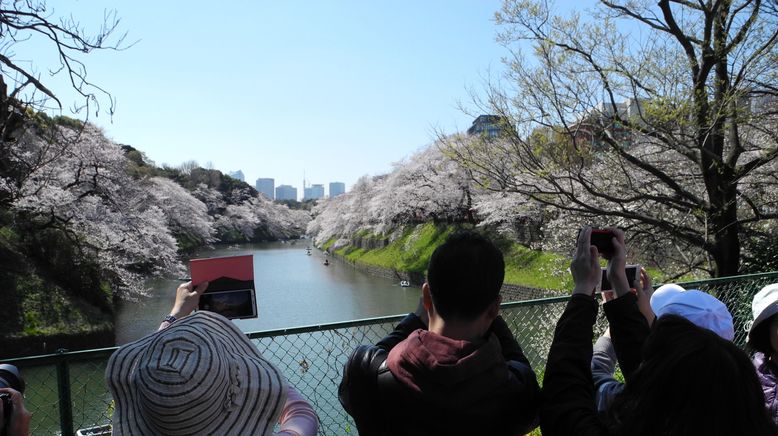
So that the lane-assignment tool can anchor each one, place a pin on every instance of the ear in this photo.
(494, 309)
(426, 296)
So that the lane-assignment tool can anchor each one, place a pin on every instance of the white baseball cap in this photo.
(764, 305)
(662, 294)
(702, 309)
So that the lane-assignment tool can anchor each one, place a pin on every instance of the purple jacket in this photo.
(768, 377)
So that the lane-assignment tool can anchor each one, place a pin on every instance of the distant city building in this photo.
(489, 126)
(267, 187)
(314, 192)
(595, 124)
(237, 175)
(337, 188)
(286, 192)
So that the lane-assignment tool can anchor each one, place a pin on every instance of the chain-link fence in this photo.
(67, 392)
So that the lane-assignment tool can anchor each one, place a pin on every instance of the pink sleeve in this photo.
(298, 417)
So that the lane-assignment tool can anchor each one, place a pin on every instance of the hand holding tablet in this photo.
(231, 291)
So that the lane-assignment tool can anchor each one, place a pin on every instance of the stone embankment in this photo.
(47, 344)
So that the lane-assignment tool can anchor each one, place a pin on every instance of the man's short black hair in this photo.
(465, 275)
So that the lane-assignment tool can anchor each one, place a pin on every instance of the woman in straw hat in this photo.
(763, 339)
(200, 375)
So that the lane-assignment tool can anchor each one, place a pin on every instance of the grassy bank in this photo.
(411, 252)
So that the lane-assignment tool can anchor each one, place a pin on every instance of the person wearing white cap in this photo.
(763, 340)
(702, 309)
(681, 379)
(200, 375)
(663, 293)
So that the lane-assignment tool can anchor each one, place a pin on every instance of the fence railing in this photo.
(67, 391)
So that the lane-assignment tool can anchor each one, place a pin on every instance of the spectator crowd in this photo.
(454, 367)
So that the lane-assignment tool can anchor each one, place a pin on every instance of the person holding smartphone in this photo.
(680, 379)
(158, 366)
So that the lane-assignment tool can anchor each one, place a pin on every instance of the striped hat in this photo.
(201, 375)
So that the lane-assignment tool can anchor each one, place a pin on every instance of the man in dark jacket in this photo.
(453, 366)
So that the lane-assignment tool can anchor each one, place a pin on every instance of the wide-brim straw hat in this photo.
(764, 305)
(199, 376)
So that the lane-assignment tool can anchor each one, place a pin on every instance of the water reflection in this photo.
(293, 289)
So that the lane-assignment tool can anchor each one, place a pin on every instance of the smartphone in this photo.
(603, 240)
(633, 278)
(232, 304)
(231, 291)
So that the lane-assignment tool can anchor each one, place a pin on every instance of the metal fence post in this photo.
(63, 389)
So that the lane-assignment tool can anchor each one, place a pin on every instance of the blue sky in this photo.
(335, 89)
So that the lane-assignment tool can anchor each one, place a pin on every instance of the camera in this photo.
(9, 378)
(633, 278)
(603, 240)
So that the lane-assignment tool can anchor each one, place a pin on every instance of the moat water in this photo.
(293, 289)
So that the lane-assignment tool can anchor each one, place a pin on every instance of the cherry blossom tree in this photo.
(256, 218)
(428, 186)
(665, 126)
(76, 181)
(187, 217)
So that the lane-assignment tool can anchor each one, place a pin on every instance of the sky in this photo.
(332, 90)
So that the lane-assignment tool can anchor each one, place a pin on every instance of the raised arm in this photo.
(628, 326)
(629, 331)
(568, 388)
(187, 299)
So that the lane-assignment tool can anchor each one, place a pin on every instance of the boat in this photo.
(405, 283)
(326, 262)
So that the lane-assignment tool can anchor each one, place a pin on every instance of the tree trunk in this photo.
(725, 229)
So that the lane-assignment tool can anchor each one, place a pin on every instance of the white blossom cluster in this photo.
(428, 186)
(78, 182)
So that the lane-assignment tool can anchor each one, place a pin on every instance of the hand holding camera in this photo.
(644, 293)
(585, 266)
(617, 264)
(14, 417)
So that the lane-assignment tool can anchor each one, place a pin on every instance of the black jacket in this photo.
(502, 399)
(567, 386)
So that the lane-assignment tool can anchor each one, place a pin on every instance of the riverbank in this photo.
(34, 345)
(529, 274)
